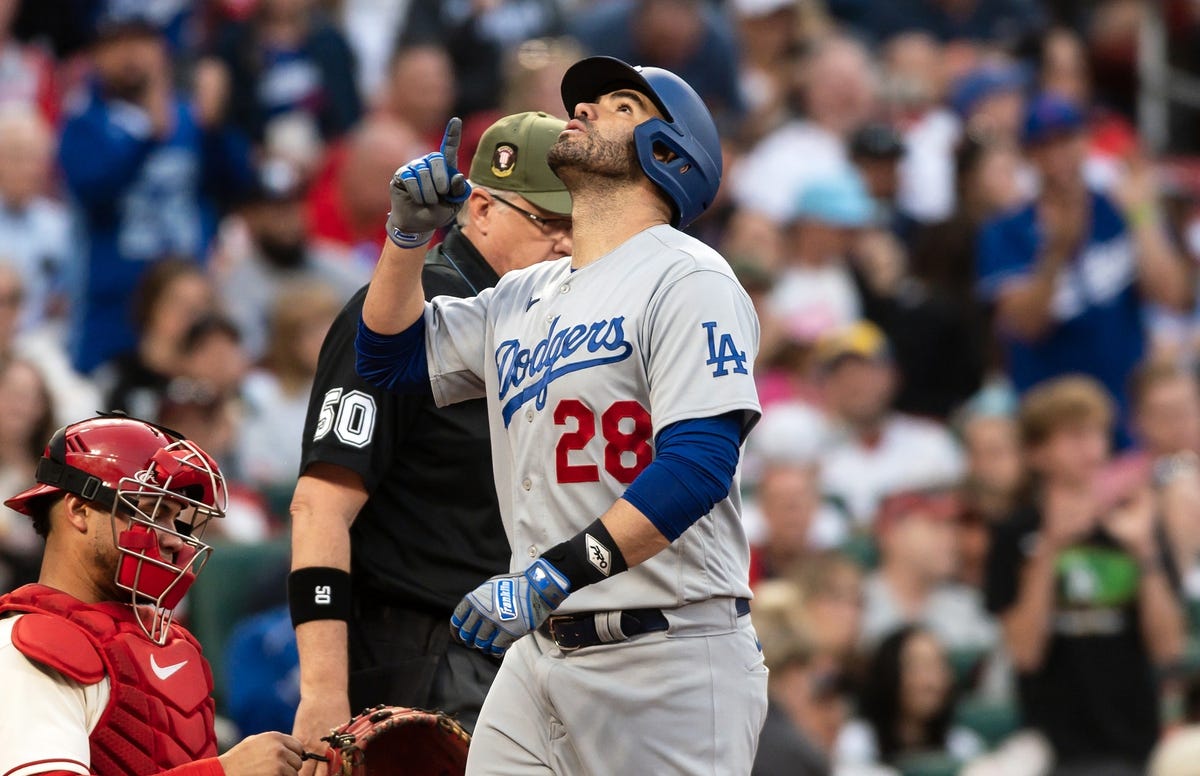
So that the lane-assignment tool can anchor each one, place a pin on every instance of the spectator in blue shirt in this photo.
(288, 63)
(1070, 272)
(144, 170)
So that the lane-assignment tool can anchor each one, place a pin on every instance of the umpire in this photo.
(395, 517)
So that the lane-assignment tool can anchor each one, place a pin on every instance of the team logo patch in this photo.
(506, 599)
(598, 554)
(504, 158)
(722, 352)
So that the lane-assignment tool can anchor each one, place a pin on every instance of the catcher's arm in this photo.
(325, 503)
(266, 754)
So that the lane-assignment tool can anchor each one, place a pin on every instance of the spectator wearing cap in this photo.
(876, 150)
(1064, 70)
(815, 292)
(876, 451)
(1084, 587)
(146, 171)
(990, 100)
(914, 585)
(1070, 273)
(271, 249)
(987, 426)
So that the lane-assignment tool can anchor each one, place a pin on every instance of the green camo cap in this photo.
(512, 157)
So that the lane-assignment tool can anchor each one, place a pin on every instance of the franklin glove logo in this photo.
(506, 599)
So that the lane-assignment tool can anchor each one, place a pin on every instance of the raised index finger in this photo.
(451, 141)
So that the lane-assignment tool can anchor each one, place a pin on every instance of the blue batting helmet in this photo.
(690, 179)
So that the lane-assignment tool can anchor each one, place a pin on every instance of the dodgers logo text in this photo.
(530, 370)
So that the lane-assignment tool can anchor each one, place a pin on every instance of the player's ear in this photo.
(663, 154)
(74, 511)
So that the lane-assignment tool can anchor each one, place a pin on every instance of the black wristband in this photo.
(588, 557)
(318, 593)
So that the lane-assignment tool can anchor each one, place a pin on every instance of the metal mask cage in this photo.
(182, 475)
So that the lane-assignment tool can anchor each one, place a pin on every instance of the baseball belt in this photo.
(589, 629)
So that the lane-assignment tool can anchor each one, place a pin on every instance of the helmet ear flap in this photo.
(686, 175)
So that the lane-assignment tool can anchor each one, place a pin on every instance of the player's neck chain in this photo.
(461, 274)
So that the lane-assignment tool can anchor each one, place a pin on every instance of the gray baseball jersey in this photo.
(581, 370)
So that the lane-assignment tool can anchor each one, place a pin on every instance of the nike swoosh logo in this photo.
(532, 301)
(165, 672)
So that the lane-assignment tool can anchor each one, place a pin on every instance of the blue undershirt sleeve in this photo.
(396, 362)
(692, 470)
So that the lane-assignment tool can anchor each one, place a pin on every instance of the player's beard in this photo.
(594, 155)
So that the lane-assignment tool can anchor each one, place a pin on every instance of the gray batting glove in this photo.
(427, 192)
(506, 607)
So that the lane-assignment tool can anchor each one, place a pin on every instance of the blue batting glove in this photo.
(427, 192)
(506, 607)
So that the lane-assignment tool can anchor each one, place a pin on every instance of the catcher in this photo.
(96, 678)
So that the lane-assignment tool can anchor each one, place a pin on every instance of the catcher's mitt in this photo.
(395, 741)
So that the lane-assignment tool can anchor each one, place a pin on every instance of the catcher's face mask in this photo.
(165, 509)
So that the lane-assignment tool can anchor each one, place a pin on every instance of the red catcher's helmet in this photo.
(142, 474)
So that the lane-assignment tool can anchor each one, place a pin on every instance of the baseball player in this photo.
(94, 676)
(619, 391)
(405, 489)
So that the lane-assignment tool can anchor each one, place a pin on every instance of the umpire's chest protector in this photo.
(160, 708)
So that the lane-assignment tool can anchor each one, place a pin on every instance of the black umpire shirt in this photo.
(430, 530)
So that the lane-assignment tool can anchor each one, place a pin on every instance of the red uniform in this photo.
(159, 710)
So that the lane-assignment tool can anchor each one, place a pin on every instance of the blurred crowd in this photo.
(974, 494)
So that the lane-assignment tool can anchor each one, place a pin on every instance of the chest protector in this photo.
(160, 710)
